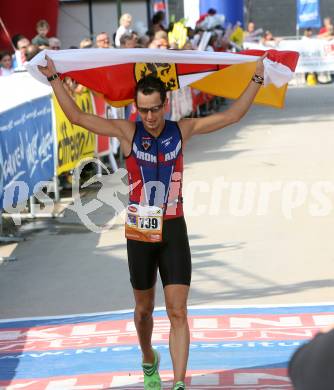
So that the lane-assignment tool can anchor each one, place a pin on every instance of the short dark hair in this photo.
(150, 84)
(158, 17)
(17, 38)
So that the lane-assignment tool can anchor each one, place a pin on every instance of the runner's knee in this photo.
(177, 316)
(143, 312)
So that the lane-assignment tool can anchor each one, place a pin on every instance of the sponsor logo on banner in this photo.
(308, 13)
(101, 350)
(74, 142)
(26, 152)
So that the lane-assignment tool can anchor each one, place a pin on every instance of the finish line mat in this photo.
(231, 348)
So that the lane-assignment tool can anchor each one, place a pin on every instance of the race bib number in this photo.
(144, 223)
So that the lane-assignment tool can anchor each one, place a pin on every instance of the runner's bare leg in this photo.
(176, 296)
(144, 321)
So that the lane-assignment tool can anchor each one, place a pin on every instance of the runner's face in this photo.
(154, 119)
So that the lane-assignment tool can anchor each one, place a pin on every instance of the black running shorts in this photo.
(171, 256)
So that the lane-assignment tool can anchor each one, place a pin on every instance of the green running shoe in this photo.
(179, 386)
(152, 378)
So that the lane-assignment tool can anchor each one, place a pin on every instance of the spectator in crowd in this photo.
(41, 40)
(158, 22)
(311, 366)
(54, 43)
(250, 28)
(21, 43)
(237, 37)
(143, 41)
(252, 34)
(86, 43)
(211, 12)
(327, 28)
(103, 40)
(269, 40)
(160, 40)
(311, 78)
(124, 27)
(32, 50)
(6, 64)
(308, 33)
(188, 45)
(213, 22)
(329, 34)
(135, 36)
(128, 41)
(16, 38)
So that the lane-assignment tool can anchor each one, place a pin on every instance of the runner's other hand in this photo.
(49, 69)
(259, 65)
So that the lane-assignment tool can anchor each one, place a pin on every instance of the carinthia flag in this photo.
(114, 72)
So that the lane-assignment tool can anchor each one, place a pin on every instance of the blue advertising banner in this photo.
(26, 149)
(308, 14)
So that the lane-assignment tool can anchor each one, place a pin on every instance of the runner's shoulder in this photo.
(126, 126)
(186, 126)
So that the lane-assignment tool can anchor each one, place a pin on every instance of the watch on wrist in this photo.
(53, 77)
(258, 79)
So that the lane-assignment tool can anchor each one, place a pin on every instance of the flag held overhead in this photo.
(114, 72)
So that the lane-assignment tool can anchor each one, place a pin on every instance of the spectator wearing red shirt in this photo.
(325, 31)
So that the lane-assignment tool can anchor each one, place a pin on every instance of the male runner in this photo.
(157, 236)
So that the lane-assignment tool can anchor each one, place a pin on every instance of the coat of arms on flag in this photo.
(165, 72)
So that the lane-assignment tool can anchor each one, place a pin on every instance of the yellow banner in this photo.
(74, 142)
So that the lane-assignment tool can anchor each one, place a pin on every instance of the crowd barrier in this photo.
(38, 143)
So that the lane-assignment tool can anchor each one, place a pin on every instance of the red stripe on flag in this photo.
(116, 82)
(185, 69)
(287, 58)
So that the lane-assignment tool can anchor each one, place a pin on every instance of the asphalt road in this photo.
(259, 200)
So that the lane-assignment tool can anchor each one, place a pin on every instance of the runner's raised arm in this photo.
(119, 128)
(238, 109)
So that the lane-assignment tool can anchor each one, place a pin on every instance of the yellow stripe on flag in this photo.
(230, 82)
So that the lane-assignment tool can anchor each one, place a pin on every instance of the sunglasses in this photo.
(153, 110)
